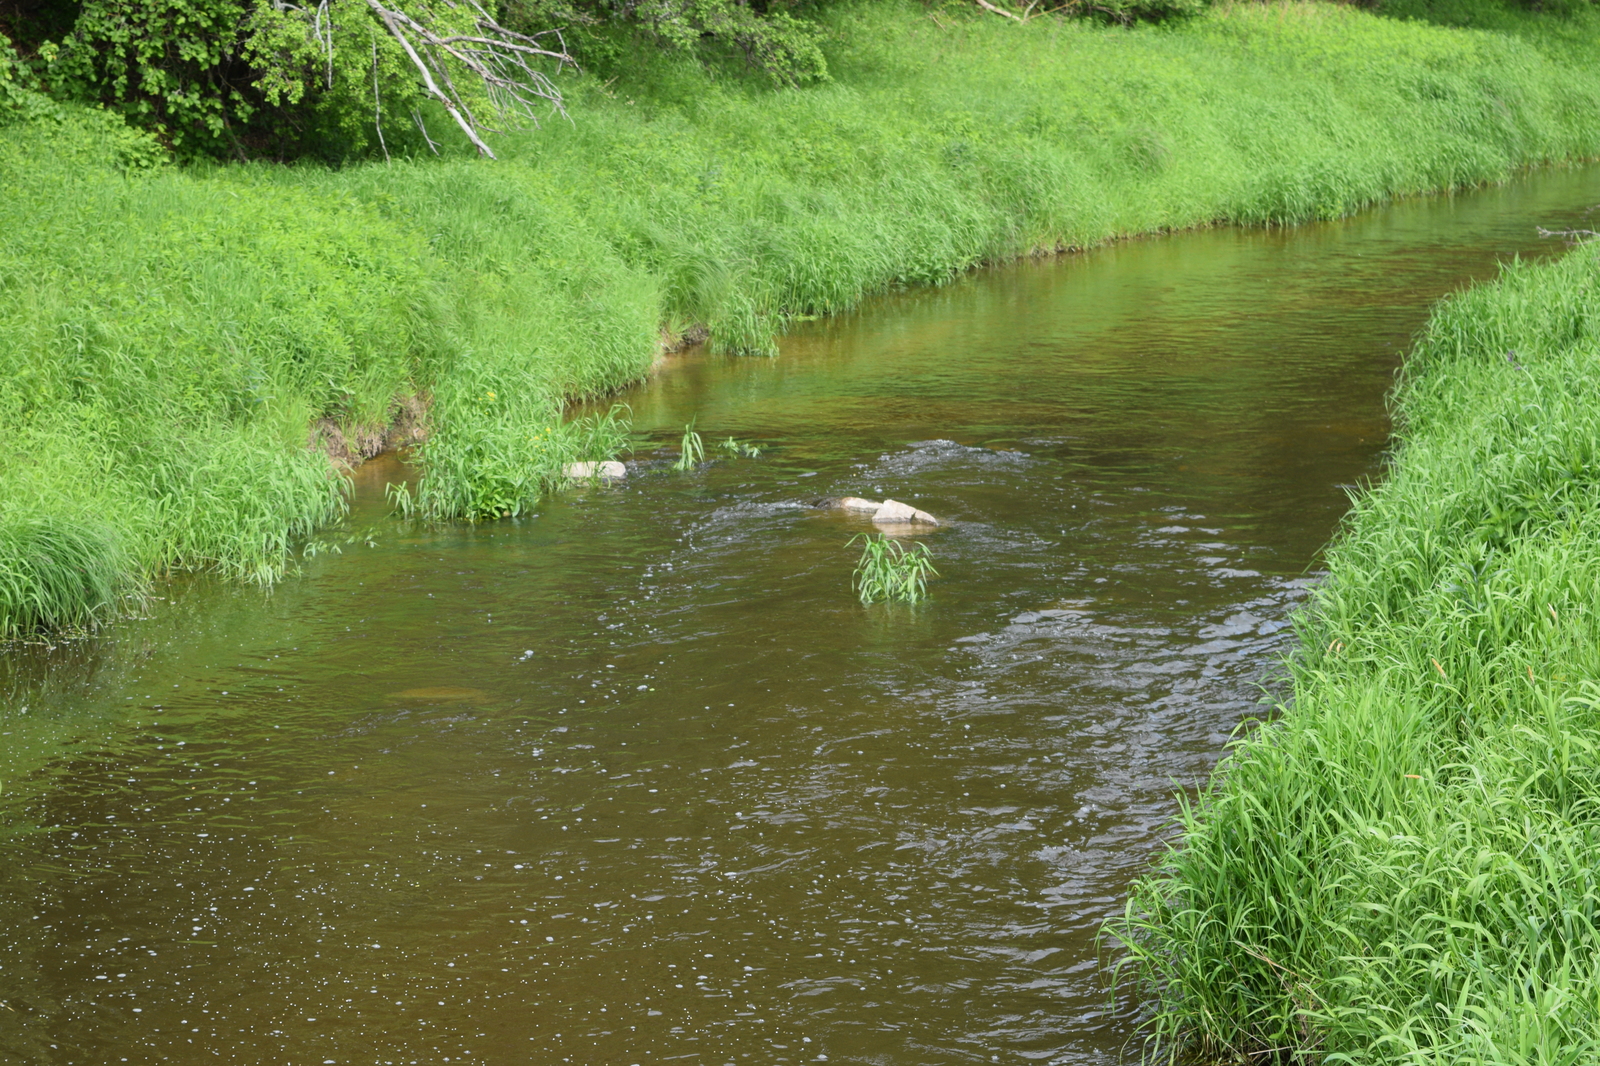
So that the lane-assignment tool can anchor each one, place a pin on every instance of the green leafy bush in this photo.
(268, 78)
(240, 77)
(607, 35)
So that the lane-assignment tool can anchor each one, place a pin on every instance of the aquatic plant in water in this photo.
(693, 451)
(737, 448)
(888, 570)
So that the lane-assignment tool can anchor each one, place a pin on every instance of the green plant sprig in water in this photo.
(335, 545)
(737, 448)
(887, 570)
(694, 449)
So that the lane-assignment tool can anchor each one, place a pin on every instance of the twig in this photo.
(423, 129)
(1573, 235)
(496, 56)
(325, 41)
(377, 103)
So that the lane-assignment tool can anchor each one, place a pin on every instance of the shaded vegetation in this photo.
(343, 79)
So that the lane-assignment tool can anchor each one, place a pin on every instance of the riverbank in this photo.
(168, 336)
(1401, 867)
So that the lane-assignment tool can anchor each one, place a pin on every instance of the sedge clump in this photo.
(888, 570)
(692, 451)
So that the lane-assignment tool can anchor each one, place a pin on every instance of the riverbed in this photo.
(635, 779)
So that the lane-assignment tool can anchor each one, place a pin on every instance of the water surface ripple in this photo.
(635, 780)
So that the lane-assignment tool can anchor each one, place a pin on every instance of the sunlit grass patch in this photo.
(1403, 865)
(57, 574)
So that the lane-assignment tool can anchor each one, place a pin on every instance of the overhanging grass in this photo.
(1405, 867)
(166, 339)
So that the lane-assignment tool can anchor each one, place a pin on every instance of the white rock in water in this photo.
(584, 471)
(893, 512)
(856, 503)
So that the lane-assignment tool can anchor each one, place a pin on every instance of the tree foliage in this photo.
(327, 77)
(341, 78)
(766, 36)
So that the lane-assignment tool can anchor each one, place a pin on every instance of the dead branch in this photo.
(497, 57)
(999, 10)
(422, 128)
(377, 103)
(1571, 236)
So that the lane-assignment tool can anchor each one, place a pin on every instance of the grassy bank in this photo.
(1405, 866)
(169, 337)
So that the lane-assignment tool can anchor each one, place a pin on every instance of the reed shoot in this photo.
(692, 452)
(887, 570)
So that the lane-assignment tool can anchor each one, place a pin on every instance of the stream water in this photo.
(636, 780)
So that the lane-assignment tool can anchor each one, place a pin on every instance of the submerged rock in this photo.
(585, 471)
(858, 505)
(894, 513)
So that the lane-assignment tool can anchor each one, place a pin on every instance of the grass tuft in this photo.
(737, 448)
(692, 452)
(479, 471)
(56, 574)
(888, 570)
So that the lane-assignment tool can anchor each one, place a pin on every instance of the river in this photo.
(636, 780)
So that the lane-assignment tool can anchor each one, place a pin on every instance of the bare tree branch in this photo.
(391, 21)
(999, 10)
(377, 103)
(423, 129)
(499, 58)
(1572, 236)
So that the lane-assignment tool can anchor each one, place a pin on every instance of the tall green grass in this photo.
(164, 344)
(888, 570)
(692, 451)
(1405, 865)
(167, 338)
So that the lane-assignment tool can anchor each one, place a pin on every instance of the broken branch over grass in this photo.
(496, 58)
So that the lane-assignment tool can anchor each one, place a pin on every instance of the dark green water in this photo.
(637, 781)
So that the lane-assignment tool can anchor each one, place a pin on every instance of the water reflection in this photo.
(636, 780)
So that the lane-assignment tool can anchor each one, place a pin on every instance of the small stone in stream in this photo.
(856, 503)
(584, 471)
(893, 512)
